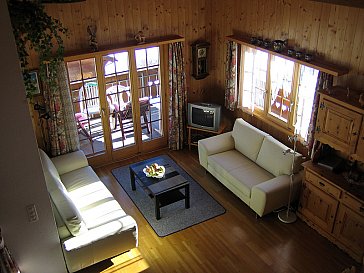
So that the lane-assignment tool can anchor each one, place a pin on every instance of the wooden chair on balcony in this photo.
(125, 116)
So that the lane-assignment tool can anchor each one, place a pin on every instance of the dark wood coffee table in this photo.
(165, 190)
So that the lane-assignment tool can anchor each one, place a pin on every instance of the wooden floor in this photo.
(233, 242)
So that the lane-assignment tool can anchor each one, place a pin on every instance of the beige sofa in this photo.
(91, 224)
(253, 165)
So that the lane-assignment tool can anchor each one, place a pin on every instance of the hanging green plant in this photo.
(34, 29)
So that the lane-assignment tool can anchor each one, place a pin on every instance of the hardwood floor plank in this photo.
(233, 242)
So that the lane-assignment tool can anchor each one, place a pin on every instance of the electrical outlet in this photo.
(32, 213)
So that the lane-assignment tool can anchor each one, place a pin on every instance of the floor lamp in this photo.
(288, 216)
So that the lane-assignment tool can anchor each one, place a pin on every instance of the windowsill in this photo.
(263, 117)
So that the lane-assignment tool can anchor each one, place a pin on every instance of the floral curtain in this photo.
(324, 81)
(62, 129)
(177, 96)
(231, 89)
(7, 263)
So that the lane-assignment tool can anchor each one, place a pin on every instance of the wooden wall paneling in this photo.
(174, 17)
(113, 27)
(144, 10)
(79, 25)
(120, 21)
(152, 19)
(299, 25)
(342, 23)
(129, 27)
(104, 31)
(357, 57)
(278, 27)
(181, 10)
(323, 29)
(168, 16)
(136, 18)
(315, 27)
(349, 36)
(160, 17)
(307, 11)
(332, 30)
(293, 22)
(286, 16)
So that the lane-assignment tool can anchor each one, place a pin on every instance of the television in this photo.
(204, 115)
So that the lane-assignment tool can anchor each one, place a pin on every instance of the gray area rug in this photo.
(174, 217)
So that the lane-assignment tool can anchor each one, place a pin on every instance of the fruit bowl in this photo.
(154, 170)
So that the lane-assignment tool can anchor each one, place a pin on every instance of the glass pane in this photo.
(255, 69)
(86, 105)
(281, 74)
(117, 86)
(74, 71)
(149, 93)
(116, 63)
(140, 58)
(88, 68)
(306, 94)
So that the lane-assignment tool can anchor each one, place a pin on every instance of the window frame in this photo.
(265, 113)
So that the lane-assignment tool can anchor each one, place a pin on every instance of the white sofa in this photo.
(253, 165)
(91, 224)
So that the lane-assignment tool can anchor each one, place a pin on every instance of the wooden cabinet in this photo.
(349, 229)
(318, 206)
(334, 208)
(337, 125)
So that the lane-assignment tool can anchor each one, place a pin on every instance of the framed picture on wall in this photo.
(34, 80)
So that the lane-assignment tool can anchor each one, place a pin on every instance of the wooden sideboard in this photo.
(333, 207)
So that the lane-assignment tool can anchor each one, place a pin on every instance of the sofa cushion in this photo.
(272, 158)
(94, 201)
(67, 209)
(248, 139)
(238, 170)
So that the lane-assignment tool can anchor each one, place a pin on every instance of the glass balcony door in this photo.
(118, 103)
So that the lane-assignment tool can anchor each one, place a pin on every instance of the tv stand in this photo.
(194, 134)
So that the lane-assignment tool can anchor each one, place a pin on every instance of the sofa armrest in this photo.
(70, 162)
(274, 193)
(213, 145)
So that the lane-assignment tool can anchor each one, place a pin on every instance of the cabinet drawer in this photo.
(353, 203)
(322, 184)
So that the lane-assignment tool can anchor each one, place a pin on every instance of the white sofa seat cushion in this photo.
(95, 202)
(272, 158)
(238, 170)
(248, 139)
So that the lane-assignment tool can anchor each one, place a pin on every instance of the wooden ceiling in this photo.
(349, 3)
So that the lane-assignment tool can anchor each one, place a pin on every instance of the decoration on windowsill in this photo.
(140, 37)
(91, 30)
(281, 46)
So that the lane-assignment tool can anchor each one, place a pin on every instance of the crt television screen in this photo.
(203, 117)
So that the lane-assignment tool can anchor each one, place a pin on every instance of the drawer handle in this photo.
(361, 209)
(321, 184)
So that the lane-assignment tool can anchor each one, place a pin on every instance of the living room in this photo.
(330, 31)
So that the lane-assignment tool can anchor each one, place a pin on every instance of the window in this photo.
(277, 89)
